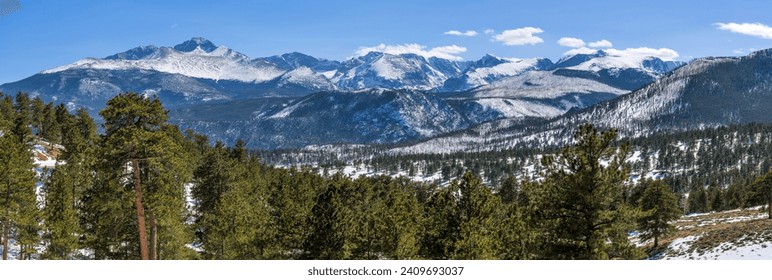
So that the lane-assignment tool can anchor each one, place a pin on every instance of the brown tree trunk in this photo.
(153, 236)
(6, 232)
(140, 211)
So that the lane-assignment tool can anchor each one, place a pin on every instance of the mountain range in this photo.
(706, 93)
(294, 100)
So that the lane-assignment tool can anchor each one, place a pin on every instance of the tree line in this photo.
(143, 189)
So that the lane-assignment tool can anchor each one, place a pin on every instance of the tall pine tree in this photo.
(580, 204)
(19, 215)
(143, 152)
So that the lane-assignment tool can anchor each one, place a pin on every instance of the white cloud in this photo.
(752, 29)
(643, 52)
(571, 42)
(581, 50)
(662, 53)
(446, 52)
(520, 36)
(468, 33)
(600, 44)
(744, 51)
(489, 31)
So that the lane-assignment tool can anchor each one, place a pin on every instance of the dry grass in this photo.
(744, 227)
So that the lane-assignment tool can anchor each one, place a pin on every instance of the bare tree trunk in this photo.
(6, 232)
(153, 236)
(140, 211)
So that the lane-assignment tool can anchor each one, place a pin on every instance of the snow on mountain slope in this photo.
(219, 64)
(596, 61)
(508, 67)
(383, 70)
(542, 85)
(705, 93)
(514, 108)
(308, 78)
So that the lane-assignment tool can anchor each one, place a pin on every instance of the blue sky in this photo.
(45, 34)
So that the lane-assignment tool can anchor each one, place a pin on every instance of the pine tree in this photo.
(137, 136)
(65, 187)
(7, 112)
(580, 205)
(51, 128)
(441, 224)
(715, 197)
(19, 213)
(233, 218)
(292, 197)
(37, 114)
(659, 206)
(479, 216)
(403, 221)
(327, 236)
(516, 233)
(698, 200)
(763, 188)
(60, 213)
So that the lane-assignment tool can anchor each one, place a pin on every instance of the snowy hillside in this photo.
(543, 85)
(742, 234)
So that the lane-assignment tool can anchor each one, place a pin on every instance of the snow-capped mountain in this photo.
(196, 58)
(403, 71)
(707, 92)
(218, 71)
(491, 68)
(198, 72)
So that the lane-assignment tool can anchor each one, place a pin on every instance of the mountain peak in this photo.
(196, 42)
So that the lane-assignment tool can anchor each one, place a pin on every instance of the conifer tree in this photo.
(233, 217)
(37, 114)
(403, 221)
(763, 189)
(51, 125)
(327, 237)
(19, 212)
(715, 197)
(479, 220)
(580, 204)
(517, 235)
(659, 206)
(65, 187)
(441, 224)
(292, 197)
(137, 136)
(7, 113)
(698, 200)
(62, 229)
